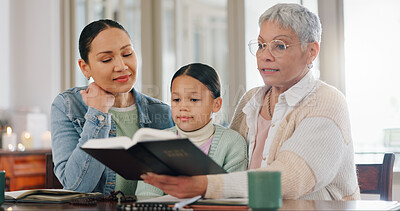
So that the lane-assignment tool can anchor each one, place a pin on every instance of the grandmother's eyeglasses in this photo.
(276, 47)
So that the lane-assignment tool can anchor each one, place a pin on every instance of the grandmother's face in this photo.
(284, 71)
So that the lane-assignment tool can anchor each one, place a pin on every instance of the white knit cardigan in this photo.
(312, 149)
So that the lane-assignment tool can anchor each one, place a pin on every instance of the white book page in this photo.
(14, 194)
(172, 199)
(109, 143)
(142, 135)
(17, 194)
(150, 134)
(162, 199)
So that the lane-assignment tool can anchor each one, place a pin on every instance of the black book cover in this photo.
(170, 157)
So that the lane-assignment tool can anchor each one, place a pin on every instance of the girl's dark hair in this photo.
(203, 73)
(91, 31)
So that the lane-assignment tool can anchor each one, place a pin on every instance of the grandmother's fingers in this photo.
(178, 186)
(153, 178)
(170, 180)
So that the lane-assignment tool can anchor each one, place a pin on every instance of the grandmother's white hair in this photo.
(304, 23)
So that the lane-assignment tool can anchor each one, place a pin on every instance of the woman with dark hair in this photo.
(108, 107)
(195, 96)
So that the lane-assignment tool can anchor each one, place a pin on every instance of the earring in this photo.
(88, 77)
(309, 66)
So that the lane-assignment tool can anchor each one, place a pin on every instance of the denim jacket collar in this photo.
(141, 103)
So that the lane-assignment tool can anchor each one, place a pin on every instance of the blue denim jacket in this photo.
(73, 123)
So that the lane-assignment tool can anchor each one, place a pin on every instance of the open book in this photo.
(151, 150)
(45, 195)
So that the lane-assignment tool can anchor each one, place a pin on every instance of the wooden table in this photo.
(287, 205)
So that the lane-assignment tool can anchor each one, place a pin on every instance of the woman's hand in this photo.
(94, 96)
(180, 186)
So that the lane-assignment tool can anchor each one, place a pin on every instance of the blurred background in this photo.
(39, 53)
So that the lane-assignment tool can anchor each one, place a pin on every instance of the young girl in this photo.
(195, 96)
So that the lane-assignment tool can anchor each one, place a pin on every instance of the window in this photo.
(372, 29)
(195, 31)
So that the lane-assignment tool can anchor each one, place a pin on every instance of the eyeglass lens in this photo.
(276, 47)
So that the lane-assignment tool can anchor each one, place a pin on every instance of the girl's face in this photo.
(192, 103)
(112, 61)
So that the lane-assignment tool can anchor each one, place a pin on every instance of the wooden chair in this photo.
(51, 179)
(377, 178)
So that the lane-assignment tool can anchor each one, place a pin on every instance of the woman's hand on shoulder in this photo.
(94, 96)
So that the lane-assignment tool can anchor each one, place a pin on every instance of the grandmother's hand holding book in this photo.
(178, 186)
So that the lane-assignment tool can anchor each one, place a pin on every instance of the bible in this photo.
(151, 150)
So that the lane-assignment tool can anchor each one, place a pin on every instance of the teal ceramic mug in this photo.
(2, 185)
(264, 190)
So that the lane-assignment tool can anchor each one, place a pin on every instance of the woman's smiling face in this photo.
(112, 61)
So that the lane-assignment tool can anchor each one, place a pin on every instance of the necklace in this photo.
(269, 102)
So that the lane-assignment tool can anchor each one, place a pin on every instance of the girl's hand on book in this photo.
(94, 96)
(179, 186)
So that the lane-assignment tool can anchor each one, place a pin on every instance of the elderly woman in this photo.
(294, 124)
(108, 107)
